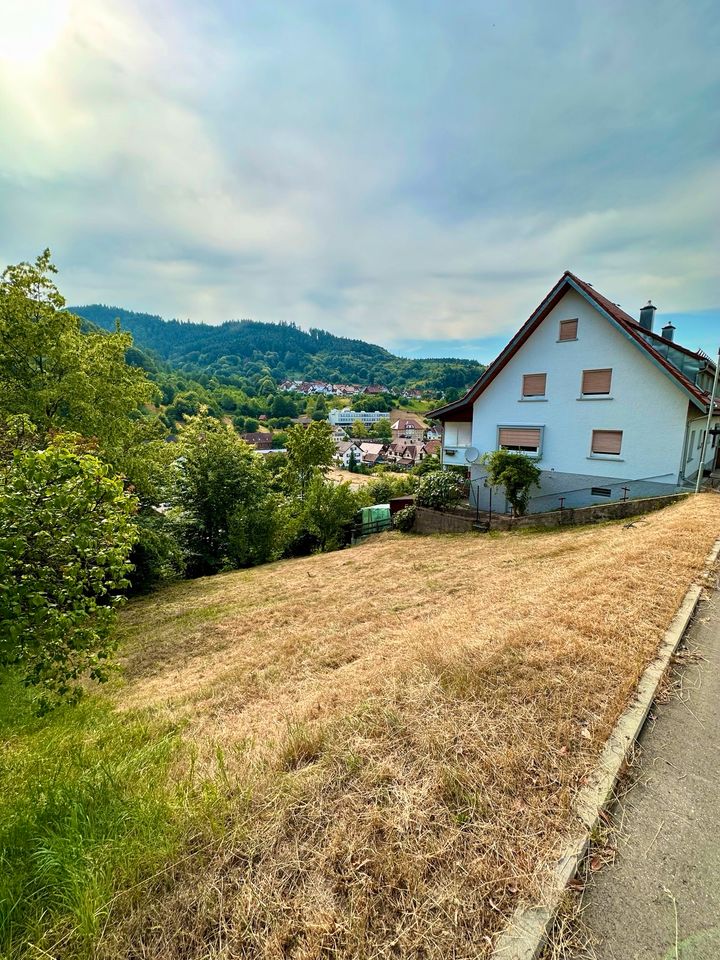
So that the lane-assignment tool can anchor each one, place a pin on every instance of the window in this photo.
(596, 382)
(520, 439)
(700, 438)
(457, 434)
(690, 447)
(600, 492)
(534, 384)
(568, 330)
(607, 441)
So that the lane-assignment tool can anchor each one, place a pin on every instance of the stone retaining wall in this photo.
(435, 521)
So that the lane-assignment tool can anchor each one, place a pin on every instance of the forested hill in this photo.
(244, 346)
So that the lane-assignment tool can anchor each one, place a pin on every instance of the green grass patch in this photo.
(88, 809)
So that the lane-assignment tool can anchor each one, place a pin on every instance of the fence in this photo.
(486, 499)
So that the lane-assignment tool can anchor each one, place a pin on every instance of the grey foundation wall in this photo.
(577, 490)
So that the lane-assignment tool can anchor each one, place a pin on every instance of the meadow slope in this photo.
(401, 728)
(366, 754)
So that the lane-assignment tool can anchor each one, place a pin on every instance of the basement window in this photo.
(600, 492)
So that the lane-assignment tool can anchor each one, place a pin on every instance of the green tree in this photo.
(383, 429)
(358, 430)
(61, 377)
(320, 410)
(218, 480)
(328, 509)
(66, 531)
(428, 465)
(516, 473)
(352, 461)
(310, 451)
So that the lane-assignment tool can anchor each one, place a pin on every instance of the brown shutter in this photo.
(606, 441)
(568, 330)
(534, 384)
(520, 437)
(596, 381)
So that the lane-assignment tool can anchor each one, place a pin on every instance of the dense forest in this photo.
(237, 349)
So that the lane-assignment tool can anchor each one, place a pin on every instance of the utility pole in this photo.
(711, 410)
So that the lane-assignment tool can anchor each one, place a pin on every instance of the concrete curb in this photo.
(525, 935)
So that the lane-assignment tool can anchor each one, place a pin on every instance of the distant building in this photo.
(261, 441)
(345, 451)
(375, 388)
(409, 428)
(346, 417)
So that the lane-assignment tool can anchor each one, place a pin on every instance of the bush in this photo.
(404, 520)
(387, 486)
(439, 490)
(516, 473)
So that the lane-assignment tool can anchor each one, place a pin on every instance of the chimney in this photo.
(647, 315)
(668, 332)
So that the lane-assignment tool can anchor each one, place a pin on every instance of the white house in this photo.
(346, 451)
(607, 406)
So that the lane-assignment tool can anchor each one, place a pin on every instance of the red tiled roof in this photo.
(630, 326)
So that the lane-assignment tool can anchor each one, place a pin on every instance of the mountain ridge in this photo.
(287, 351)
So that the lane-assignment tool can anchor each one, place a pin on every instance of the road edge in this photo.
(525, 935)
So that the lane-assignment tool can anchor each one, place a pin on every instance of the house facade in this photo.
(346, 452)
(409, 428)
(606, 405)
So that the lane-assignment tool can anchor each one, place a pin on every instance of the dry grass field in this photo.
(400, 729)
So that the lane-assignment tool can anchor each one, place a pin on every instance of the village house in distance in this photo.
(606, 405)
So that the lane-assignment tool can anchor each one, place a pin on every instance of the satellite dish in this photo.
(472, 455)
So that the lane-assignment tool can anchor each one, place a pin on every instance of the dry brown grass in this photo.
(404, 727)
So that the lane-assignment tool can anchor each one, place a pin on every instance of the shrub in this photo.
(439, 490)
(404, 520)
(516, 473)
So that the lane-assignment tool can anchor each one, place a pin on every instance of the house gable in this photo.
(461, 409)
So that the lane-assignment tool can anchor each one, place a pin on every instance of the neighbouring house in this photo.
(434, 432)
(339, 433)
(345, 451)
(345, 417)
(261, 441)
(372, 453)
(375, 388)
(413, 394)
(409, 428)
(433, 448)
(608, 407)
(405, 453)
(304, 420)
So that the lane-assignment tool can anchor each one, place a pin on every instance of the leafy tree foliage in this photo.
(59, 376)
(218, 482)
(328, 509)
(66, 531)
(310, 451)
(438, 490)
(247, 349)
(516, 473)
(382, 429)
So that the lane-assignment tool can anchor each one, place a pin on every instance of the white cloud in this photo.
(366, 169)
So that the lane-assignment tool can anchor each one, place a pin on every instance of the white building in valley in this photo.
(346, 417)
(607, 406)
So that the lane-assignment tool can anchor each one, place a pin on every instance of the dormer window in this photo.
(568, 330)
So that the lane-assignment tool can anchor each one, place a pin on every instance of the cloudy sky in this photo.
(414, 173)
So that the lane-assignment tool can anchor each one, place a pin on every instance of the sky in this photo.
(417, 174)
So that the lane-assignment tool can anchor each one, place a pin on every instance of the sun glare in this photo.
(29, 29)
